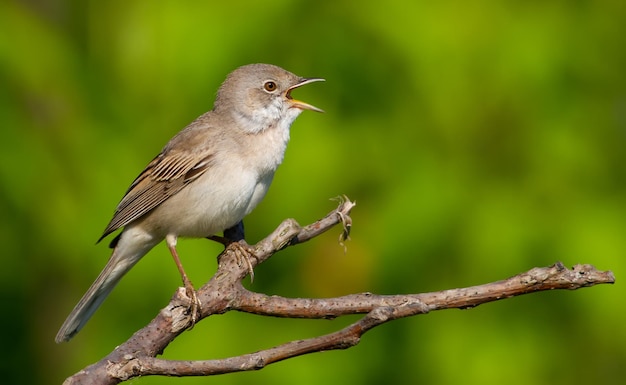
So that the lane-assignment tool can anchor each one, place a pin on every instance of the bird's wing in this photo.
(165, 176)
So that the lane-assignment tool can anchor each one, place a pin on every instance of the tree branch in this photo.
(224, 292)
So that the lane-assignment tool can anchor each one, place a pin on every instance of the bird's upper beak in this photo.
(298, 103)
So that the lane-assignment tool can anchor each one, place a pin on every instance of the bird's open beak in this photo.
(298, 103)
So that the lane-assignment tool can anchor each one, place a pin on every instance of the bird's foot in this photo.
(243, 253)
(194, 302)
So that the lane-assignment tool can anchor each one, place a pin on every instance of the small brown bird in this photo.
(205, 180)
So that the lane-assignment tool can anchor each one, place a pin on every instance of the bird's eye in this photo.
(270, 86)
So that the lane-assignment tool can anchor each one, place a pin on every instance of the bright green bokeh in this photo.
(479, 139)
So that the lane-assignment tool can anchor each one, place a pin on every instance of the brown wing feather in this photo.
(165, 176)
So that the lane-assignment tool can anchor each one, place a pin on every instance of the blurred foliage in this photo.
(479, 139)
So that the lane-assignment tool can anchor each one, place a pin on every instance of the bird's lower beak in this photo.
(299, 104)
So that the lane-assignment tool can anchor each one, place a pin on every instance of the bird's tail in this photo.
(121, 261)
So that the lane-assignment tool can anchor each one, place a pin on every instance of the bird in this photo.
(205, 180)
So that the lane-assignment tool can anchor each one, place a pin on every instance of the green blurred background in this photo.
(479, 139)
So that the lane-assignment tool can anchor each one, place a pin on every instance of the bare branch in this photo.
(224, 292)
(553, 277)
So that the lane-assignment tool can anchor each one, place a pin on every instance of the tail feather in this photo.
(121, 261)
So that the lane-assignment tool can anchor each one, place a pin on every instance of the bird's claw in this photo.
(243, 253)
(194, 302)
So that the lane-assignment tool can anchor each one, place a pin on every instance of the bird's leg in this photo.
(234, 237)
(189, 289)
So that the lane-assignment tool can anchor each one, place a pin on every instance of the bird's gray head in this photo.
(259, 96)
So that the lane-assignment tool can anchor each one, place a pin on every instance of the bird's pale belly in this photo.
(215, 207)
